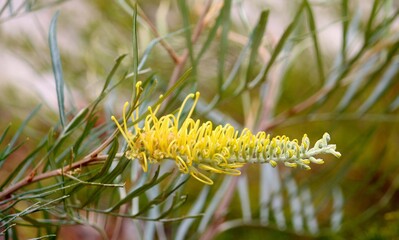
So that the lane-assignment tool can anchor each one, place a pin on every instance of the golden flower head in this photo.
(197, 147)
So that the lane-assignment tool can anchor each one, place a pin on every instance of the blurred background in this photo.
(284, 67)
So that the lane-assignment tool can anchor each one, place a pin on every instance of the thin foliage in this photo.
(99, 171)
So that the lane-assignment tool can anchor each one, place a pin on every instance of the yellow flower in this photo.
(197, 147)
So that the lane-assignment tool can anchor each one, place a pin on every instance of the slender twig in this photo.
(270, 124)
(178, 69)
(105, 144)
(242, 39)
(154, 30)
(57, 172)
(270, 100)
(195, 36)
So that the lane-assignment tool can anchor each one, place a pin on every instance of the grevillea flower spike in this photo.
(197, 147)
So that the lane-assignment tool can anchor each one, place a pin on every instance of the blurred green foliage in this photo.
(285, 67)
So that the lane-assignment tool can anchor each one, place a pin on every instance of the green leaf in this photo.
(152, 44)
(38, 193)
(223, 43)
(38, 206)
(370, 22)
(135, 50)
(256, 39)
(57, 68)
(356, 84)
(108, 178)
(22, 168)
(10, 147)
(279, 47)
(108, 79)
(178, 83)
(236, 67)
(107, 164)
(76, 121)
(382, 29)
(314, 32)
(4, 133)
(210, 36)
(394, 105)
(254, 43)
(90, 123)
(186, 24)
(196, 208)
(382, 86)
(345, 27)
(161, 197)
(140, 190)
(178, 201)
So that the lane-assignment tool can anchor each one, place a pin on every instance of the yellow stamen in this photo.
(181, 165)
(143, 162)
(182, 106)
(128, 140)
(199, 176)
